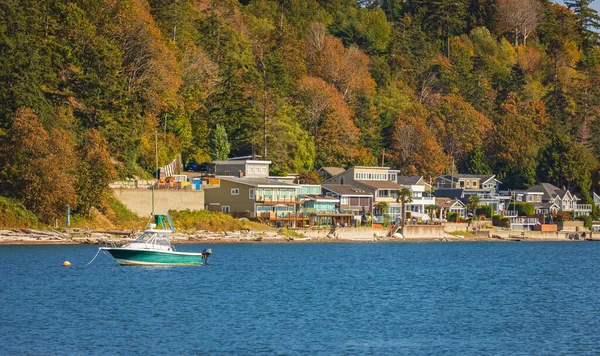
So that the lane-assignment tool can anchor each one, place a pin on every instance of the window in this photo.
(226, 209)
(235, 191)
(468, 183)
(250, 170)
(263, 170)
(474, 184)
(251, 193)
(529, 198)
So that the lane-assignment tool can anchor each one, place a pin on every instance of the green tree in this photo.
(219, 144)
(403, 196)
(96, 172)
(588, 22)
(476, 162)
(474, 201)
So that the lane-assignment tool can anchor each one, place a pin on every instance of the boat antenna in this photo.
(157, 171)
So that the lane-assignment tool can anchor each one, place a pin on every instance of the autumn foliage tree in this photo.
(95, 172)
(36, 167)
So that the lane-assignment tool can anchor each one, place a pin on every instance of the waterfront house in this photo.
(268, 200)
(322, 209)
(462, 186)
(447, 205)
(378, 181)
(563, 199)
(422, 197)
(533, 197)
(353, 200)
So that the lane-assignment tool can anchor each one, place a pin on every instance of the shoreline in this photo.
(86, 237)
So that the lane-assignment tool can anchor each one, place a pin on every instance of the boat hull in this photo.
(141, 257)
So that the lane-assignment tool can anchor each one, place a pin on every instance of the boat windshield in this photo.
(154, 238)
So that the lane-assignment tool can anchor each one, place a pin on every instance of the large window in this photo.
(251, 193)
(370, 176)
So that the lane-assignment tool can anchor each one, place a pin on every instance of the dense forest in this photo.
(509, 87)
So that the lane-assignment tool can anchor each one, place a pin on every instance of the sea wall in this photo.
(140, 200)
(368, 233)
(423, 231)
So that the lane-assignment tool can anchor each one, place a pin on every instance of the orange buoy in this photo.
(67, 264)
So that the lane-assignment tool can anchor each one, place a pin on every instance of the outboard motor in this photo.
(205, 254)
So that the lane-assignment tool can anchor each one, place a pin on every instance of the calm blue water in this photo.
(331, 299)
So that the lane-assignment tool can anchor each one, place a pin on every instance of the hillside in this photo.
(305, 84)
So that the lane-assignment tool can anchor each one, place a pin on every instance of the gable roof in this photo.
(550, 191)
(409, 180)
(452, 193)
(482, 177)
(332, 171)
(448, 203)
(345, 189)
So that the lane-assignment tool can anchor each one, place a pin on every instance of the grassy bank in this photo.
(13, 215)
(186, 220)
(115, 216)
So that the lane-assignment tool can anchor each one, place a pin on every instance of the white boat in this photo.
(153, 248)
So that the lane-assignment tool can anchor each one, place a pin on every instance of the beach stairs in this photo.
(331, 233)
(394, 229)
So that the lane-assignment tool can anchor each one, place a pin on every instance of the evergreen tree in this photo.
(588, 22)
(219, 144)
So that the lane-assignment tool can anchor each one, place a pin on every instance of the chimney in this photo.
(240, 174)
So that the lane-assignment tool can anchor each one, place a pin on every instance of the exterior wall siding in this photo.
(222, 194)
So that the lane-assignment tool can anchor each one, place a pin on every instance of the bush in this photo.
(500, 221)
(522, 208)
(486, 210)
(587, 220)
(452, 217)
(210, 220)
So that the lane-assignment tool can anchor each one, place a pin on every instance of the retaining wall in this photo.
(140, 200)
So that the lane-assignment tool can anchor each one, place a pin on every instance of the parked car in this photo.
(192, 166)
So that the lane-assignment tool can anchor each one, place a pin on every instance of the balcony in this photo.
(283, 216)
(582, 208)
(277, 200)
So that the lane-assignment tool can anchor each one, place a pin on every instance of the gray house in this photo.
(242, 167)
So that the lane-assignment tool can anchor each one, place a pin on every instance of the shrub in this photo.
(452, 217)
(210, 220)
(486, 210)
(587, 220)
(522, 208)
(501, 221)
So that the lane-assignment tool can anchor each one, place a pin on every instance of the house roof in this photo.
(332, 171)
(320, 198)
(545, 205)
(258, 181)
(380, 184)
(452, 193)
(482, 177)
(447, 202)
(409, 180)
(550, 191)
(345, 189)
